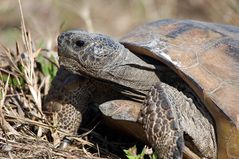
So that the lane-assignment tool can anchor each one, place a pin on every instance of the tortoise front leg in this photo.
(68, 96)
(168, 116)
(161, 124)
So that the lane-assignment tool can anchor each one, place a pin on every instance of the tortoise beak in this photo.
(63, 41)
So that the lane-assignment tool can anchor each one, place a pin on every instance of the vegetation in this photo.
(131, 153)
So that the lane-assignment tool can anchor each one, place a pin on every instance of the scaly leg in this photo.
(168, 115)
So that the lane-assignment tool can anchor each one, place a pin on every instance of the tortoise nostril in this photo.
(63, 38)
(79, 43)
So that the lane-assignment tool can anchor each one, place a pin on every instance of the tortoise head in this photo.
(101, 57)
(88, 53)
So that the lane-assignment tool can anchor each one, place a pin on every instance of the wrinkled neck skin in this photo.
(131, 75)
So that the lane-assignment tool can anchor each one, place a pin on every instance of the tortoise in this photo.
(184, 72)
(70, 95)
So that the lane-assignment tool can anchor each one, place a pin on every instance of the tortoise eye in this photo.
(79, 43)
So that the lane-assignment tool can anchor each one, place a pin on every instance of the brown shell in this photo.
(206, 56)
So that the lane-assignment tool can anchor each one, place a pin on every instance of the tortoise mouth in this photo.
(70, 64)
(64, 52)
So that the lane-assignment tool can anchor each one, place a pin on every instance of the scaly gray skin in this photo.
(69, 96)
(167, 114)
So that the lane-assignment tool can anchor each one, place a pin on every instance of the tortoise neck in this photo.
(132, 72)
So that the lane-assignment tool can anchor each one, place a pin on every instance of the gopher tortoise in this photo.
(185, 73)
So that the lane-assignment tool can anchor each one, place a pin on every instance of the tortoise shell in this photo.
(206, 57)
